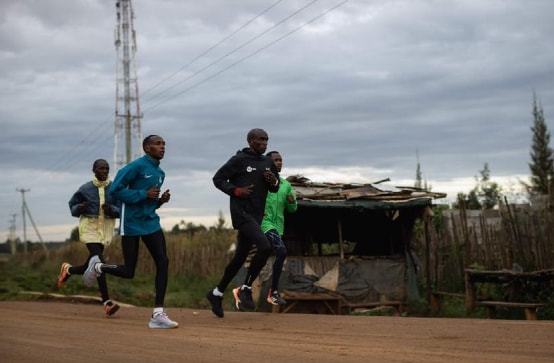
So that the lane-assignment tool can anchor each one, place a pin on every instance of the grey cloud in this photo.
(365, 86)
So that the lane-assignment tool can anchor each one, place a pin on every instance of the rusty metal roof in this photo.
(307, 190)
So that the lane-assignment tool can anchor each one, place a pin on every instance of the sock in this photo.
(245, 287)
(216, 292)
(108, 302)
(157, 311)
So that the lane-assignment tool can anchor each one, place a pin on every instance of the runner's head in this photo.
(154, 146)
(101, 169)
(277, 159)
(257, 140)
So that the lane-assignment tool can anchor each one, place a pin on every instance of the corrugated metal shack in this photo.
(350, 241)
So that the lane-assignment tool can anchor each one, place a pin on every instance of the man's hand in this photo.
(153, 193)
(270, 178)
(291, 198)
(83, 206)
(243, 192)
(165, 197)
(105, 208)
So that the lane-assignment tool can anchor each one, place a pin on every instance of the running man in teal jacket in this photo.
(273, 226)
(137, 187)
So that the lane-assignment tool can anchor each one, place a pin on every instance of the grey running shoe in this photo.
(90, 275)
(243, 299)
(216, 303)
(274, 298)
(162, 321)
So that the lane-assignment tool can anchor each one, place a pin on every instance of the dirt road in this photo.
(61, 332)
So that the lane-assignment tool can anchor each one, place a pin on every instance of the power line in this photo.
(249, 41)
(59, 163)
(251, 54)
(250, 21)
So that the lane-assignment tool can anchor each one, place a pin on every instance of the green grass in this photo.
(182, 291)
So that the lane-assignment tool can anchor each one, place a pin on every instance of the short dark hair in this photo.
(269, 154)
(98, 161)
(147, 139)
(253, 133)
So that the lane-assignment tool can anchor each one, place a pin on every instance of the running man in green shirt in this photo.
(273, 226)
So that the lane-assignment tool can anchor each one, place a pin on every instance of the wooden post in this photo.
(530, 313)
(341, 247)
(427, 259)
(470, 292)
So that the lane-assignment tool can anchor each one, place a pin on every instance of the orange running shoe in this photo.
(64, 275)
(110, 308)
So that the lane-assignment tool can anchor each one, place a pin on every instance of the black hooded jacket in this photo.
(244, 169)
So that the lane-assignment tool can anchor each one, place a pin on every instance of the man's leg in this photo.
(280, 250)
(66, 270)
(241, 253)
(130, 249)
(110, 308)
(215, 297)
(155, 242)
(252, 232)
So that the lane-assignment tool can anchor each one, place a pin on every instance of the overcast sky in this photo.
(349, 97)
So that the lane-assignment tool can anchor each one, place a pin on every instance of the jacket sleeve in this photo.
(274, 188)
(114, 210)
(74, 202)
(291, 207)
(222, 176)
(120, 187)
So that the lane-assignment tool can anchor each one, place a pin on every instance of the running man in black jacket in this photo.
(246, 178)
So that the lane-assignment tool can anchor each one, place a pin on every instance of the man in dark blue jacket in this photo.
(246, 178)
(137, 186)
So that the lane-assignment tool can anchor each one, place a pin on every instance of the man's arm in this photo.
(164, 198)
(76, 204)
(291, 204)
(222, 176)
(272, 179)
(119, 188)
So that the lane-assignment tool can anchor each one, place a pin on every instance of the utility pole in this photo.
(11, 235)
(25, 210)
(23, 191)
(127, 130)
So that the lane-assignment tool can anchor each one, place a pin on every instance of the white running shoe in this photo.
(162, 321)
(90, 275)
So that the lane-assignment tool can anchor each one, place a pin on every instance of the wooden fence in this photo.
(518, 237)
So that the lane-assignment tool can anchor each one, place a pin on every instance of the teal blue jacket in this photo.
(275, 206)
(130, 186)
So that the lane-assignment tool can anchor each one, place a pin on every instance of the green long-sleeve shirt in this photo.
(275, 206)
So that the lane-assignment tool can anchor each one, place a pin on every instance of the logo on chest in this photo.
(250, 169)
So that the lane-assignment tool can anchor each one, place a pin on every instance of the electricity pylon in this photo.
(128, 134)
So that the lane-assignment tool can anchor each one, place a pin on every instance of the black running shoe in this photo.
(216, 303)
(274, 298)
(245, 296)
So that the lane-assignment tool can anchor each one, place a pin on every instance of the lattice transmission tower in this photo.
(128, 134)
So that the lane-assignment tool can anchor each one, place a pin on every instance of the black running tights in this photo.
(249, 233)
(155, 243)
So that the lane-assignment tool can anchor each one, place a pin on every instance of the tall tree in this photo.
(541, 165)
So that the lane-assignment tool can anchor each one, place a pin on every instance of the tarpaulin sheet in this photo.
(358, 280)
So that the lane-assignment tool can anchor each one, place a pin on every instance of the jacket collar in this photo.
(151, 160)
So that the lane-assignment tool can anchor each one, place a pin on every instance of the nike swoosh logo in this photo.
(147, 176)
